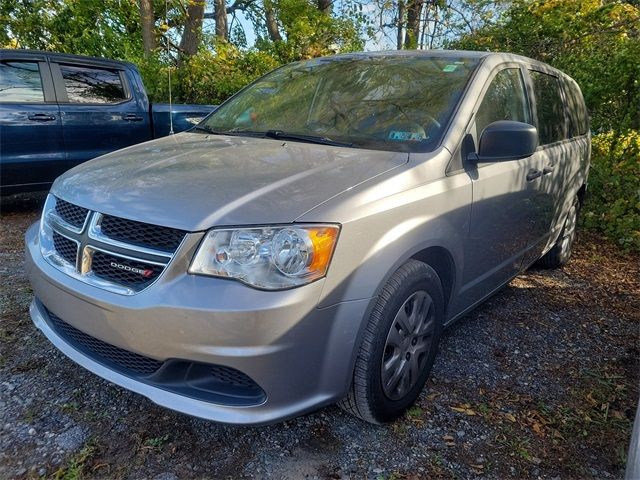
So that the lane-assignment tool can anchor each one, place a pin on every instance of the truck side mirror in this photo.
(506, 140)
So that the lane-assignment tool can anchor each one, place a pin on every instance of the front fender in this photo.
(390, 230)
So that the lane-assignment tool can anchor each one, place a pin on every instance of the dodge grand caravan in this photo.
(307, 242)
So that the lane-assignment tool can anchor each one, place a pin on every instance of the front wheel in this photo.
(399, 345)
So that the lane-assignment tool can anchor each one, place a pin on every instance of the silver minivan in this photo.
(308, 241)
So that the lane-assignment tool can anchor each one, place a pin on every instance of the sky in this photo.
(381, 42)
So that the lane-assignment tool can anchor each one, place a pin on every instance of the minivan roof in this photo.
(497, 57)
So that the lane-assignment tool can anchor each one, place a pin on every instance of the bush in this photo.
(613, 205)
(207, 77)
(213, 77)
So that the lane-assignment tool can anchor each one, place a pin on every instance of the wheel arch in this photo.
(441, 260)
(582, 194)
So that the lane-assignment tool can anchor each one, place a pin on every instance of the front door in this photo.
(31, 148)
(506, 216)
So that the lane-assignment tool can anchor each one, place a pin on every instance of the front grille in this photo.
(130, 273)
(65, 248)
(70, 213)
(118, 358)
(141, 234)
(120, 255)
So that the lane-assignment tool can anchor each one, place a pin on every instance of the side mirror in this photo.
(506, 140)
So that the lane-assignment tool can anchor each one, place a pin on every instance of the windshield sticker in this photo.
(449, 68)
(400, 136)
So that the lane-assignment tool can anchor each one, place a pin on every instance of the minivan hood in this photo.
(195, 181)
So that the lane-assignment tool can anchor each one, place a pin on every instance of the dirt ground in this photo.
(539, 382)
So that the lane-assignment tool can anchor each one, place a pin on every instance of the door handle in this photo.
(533, 174)
(547, 170)
(42, 117)
(132, 117)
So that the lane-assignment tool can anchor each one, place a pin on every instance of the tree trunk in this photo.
(192, 33)
(220, 12)
(272, 22)
(325, 6)
(414, 12)
(147, 22)
(401, 22)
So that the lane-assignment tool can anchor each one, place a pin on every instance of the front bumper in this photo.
(299, 355)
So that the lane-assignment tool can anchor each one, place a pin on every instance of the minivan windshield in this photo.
(397, 103)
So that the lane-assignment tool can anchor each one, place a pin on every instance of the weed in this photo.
(156, 443)
(78, 464)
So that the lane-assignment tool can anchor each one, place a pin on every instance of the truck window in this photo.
(549, 107)
(505, 100)
(92, 85)
(20, 82)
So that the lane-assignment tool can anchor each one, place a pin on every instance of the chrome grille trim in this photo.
(89, 240)
(62, 221)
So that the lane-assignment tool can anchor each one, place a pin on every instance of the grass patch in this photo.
(79, 464)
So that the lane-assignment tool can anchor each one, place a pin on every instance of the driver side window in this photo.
(505, 100)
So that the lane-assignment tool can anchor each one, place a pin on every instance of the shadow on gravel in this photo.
(22, 203)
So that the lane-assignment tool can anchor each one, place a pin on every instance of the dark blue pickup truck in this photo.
(59, 110)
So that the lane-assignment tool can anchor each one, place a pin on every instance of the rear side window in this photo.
(505, 100)
(92, 85)
(549, 107)
(20, 82)
(578, 117)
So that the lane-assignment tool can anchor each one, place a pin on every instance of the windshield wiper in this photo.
(280, 135)
(208, 129)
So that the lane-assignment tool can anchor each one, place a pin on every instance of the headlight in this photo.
(273, 258)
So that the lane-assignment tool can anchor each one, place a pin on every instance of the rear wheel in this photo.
(399, 345)
(561, 250)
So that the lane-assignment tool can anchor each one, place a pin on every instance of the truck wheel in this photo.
(561, 250)
(399, 345)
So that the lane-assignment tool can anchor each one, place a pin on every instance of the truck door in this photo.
(505, 217)
(31, 147)
(99, 111)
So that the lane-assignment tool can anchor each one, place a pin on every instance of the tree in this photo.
(597, 43)
(147, 23)
(414, 15)
(271, 21)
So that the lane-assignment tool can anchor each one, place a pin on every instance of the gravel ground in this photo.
(539, 382)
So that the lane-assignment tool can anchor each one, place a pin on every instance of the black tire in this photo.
(412, 297)
(560, 253)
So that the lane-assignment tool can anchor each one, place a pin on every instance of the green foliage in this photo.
(311, 33)
(107, 28)
(208, 77)
(596, 42)
(614, 189)
(212, 78)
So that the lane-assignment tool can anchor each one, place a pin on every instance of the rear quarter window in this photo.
(549, 107)
(578, 116)
(92, 85)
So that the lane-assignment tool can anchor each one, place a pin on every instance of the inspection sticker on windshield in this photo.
(449, 68)
(401, 136)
